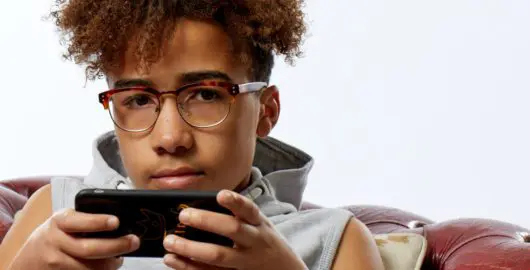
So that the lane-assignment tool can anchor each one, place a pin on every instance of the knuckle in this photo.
(254, 211)
(53, 260)
(182, 246)
(255, 214)
(44, 235)
(56, 217)
(86, 248)
(42, 230)
(61, 216)
(47, 239)
(216, 256)
(267, 222)
(236, 229)
(126, 244)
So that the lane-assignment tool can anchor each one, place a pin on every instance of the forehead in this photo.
(194, 46)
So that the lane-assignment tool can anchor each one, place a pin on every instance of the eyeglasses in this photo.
(202, 105)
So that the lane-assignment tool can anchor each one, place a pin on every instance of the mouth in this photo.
(181, 178)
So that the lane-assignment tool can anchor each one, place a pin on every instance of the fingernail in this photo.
(170, 240)
(135, 242)
(184, 215)
(235, 197)
(229, 195)
(112, 222)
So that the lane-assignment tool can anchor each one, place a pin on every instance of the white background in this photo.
(419, 105)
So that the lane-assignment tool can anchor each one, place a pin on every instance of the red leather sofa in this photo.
(463, 244)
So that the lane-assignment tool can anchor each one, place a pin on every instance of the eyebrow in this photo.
(197, 76)
(124, 83)
(186, 78)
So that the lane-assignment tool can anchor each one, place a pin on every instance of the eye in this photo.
(139, 100)
(206, 95)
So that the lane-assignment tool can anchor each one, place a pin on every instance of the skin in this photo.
(196, 47)
(172, 143)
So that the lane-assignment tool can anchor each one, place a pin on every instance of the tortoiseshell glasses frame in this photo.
(201, 105)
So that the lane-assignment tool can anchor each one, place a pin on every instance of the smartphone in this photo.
(151, 215)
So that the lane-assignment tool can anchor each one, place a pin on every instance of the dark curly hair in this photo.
(96, 32)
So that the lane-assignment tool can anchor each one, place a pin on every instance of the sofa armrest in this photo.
(10, 203)
(460, 244)
(477, 244)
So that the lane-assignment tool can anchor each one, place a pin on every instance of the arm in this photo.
(357, 249)
(36, 211)
(37, 231)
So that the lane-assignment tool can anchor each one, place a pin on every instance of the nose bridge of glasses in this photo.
(170, 94)
(170, 102)
(170, 112)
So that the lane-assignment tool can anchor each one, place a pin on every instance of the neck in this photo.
(244, 184)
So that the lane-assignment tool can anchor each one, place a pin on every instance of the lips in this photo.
(180, 178)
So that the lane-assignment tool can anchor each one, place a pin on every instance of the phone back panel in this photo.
(151, 215)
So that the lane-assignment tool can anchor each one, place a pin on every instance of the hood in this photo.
(285, 167)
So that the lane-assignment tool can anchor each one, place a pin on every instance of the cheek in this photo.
(133, 152)
(231, 146)
(243, 125)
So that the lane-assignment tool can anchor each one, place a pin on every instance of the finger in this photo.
(241, 207)
(71, 221)
(206, 253)
(60, 260)
(104, 264)
(241, 233)
(178, 262)
(94, 248)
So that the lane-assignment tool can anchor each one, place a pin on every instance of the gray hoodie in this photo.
(278, 179)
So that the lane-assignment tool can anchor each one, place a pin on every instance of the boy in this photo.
(192, 107)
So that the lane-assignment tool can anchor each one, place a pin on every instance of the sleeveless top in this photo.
(278, 179)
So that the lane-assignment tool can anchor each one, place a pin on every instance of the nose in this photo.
(171, 134)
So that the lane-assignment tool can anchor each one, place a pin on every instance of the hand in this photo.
(257, 244)
(53, 245)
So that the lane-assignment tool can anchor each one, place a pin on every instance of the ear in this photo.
(269, 111)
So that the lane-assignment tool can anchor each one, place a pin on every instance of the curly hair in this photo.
(97, 33)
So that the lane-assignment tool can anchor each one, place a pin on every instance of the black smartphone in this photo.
(151, 215)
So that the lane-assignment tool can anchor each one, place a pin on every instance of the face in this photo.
(174, 155)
